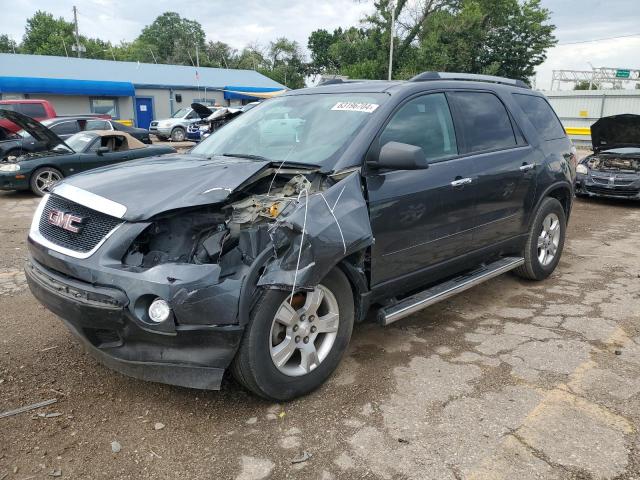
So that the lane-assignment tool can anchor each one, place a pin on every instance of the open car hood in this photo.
(160, 184)
(202, 110)
(34, 128)
(616, 131)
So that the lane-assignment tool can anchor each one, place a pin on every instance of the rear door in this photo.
(503, 166)
(420, 217)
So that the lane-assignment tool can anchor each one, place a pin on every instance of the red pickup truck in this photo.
(36, 109)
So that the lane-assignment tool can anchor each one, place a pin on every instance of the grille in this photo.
(623, 192)
(619, 182)
(95, 227)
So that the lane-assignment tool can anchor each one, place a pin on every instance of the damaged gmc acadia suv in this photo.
(258, 250)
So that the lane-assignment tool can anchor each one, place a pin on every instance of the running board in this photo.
(442, 291)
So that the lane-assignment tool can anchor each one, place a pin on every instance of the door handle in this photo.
(527, 166)
(461, 181)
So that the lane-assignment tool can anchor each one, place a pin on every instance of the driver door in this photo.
(420, 218)
(92, 159)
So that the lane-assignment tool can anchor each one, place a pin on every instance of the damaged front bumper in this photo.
(191, 349)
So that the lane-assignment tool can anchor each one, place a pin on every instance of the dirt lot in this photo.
(511, 380)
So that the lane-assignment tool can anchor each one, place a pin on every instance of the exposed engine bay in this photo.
(311, 221)
(614, 163)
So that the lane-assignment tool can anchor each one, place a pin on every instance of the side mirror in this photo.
(102, 150)
(400, 156)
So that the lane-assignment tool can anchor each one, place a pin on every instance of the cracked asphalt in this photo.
(510, 380)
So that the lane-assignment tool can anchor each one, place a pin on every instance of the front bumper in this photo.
(104, 320)
(13, 181)
(624, 187)
(162, 131)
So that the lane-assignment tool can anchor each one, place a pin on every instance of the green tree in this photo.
(221, 55)
(46, 35)
(173, 39)
(8, 45)
(500, 37)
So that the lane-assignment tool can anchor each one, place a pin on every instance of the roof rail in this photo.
(335, 81)
(472, 77)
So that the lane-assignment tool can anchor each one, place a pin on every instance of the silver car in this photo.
(176, 126)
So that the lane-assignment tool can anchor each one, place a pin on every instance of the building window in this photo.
(105, 106)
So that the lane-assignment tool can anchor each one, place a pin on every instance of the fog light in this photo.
(159, 310)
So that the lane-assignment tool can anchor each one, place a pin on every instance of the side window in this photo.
(541, 115)
(424, 122)
(65, 128)
(33, 110)
(484, 121)
(97, 125)
(97, 143)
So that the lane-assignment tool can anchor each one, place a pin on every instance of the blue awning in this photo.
(244, 93)
(66, 86)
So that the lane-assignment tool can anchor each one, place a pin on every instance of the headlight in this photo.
(582, 169)
(10, 167)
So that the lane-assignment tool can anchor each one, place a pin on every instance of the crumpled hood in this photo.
(616, 131)
(159, 184)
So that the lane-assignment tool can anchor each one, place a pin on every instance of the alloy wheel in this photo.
(549, 239)
(46, 179)
(303, 331)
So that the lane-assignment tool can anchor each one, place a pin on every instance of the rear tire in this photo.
(545, 242)
(255, 363)
(43, 178)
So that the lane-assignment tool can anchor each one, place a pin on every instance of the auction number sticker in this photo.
(355, 107)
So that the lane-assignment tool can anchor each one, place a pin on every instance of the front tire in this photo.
(292, 345)
(44, 178)
(545, 242)
(178, 134)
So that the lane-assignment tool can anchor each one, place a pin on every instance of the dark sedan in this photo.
(57, 159)
(12, 144)
(614, 168)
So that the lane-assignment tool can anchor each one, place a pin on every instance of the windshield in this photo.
(181, 113)
(311, 129)
(79, 141)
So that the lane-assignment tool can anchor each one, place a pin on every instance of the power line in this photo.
(601, 39)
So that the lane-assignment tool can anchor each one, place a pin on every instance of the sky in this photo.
(241, 22)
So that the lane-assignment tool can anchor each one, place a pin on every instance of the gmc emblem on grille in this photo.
(67, 221)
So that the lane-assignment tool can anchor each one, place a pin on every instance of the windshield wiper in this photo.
(245, 155)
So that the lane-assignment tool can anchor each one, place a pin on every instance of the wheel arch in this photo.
(353, 267)
(562, 192)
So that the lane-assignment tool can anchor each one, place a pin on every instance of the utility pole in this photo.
(75, 21)
(153, 56)
(392, 5)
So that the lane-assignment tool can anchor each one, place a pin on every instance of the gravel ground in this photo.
(510, 380)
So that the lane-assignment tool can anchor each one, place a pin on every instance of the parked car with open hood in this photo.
(212, 119)
(175, 127)
(258, 251)
(53, 159)
(614, 168)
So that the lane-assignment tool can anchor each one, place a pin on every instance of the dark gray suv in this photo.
(257, 251)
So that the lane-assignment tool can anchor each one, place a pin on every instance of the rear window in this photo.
(541, 115)
(33, 110)
(485, 122)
